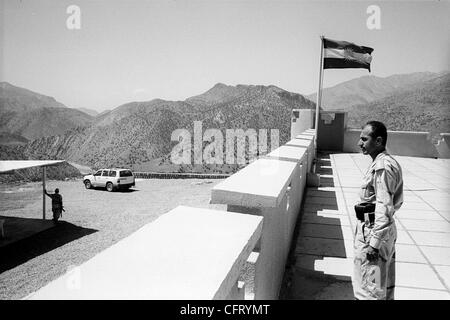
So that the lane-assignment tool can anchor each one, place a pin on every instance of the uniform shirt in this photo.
(383, 185)
(56, 201)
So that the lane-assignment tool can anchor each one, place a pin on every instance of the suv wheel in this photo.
(88, 184)
(109, 186)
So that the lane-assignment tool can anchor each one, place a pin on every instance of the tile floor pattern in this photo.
(321, 266)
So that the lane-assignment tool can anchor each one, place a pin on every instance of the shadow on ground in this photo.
(318, 254)
(18, 252)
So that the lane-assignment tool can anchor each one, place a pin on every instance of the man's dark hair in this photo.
(56, 190)
(378, 130)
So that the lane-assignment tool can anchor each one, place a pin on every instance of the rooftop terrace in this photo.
(321, 259)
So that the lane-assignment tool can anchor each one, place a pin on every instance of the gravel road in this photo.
(93, 221)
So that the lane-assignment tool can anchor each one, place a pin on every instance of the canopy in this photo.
(6, 166)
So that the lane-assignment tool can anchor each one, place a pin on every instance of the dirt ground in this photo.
(93, 221)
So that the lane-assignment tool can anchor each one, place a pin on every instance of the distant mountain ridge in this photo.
(90, 112)
(367, 89)
(136, 133)
(32, 115)
(423, 106)
(14, 98)
(219, 93)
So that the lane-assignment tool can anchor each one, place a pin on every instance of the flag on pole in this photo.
(343, 54)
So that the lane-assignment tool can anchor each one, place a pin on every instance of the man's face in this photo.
(367, 144)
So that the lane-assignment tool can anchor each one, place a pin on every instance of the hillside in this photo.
(219, 94)
(12, 139)
(138, 134)
(134, 134)
(20, 99)
(367, 89)
(129, 134)
(31, 115)
(421, 107)
(90, 112)
(16, 152)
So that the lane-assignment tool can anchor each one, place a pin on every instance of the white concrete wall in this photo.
(304, 121)
(187, 253)
(301, 142)
(271, 187)
(295, 190)
(401, 143)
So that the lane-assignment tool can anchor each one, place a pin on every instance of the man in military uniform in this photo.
(57, 204)
(381, 196)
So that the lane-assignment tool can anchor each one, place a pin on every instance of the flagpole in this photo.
(319, 95)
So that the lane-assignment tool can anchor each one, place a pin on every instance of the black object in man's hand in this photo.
(372, 254)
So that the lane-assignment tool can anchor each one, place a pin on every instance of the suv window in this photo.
(105, 173)
(98, 173)
(112, 173)
(126, 173)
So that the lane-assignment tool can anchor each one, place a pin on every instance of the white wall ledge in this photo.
(262, 183)
(187, 253)
(290, 153)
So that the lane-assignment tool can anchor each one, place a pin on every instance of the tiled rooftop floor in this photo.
(321, 260)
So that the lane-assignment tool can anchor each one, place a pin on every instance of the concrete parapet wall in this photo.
(401, 143)
(301, 120)
(308, 144)
(187, 253)
(271, 187)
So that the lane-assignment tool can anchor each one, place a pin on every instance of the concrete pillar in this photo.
(301, 120)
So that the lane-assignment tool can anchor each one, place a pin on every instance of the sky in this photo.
(136, 50)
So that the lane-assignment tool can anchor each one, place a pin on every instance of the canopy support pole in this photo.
(43, 192)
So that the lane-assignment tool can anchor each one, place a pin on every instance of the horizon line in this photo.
(219, 83)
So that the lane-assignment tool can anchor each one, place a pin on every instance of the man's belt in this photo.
(365, 211)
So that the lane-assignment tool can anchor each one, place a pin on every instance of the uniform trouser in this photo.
(374, 280)
(56, 214)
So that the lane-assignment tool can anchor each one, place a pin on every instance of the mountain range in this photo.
(407, 102)
(138, 134)
(90, 112)
(367, 89)
(423, 106)
(32, 115)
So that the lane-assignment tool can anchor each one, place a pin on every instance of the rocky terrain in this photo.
(367, 89)
(424, 106)
(30, 115)
(137, 135)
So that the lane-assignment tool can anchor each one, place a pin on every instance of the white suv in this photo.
(110, 178)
